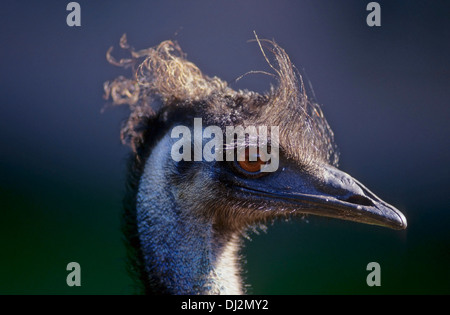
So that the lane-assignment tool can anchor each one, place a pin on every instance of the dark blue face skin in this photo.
(322, 190)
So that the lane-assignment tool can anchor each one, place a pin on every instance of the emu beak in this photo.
(341, 196)
(333, 194)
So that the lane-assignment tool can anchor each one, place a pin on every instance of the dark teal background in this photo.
(385, 92)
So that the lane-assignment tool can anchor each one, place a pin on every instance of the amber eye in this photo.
(251, 166)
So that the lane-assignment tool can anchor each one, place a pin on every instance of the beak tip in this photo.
(395, 219)
(403, 222)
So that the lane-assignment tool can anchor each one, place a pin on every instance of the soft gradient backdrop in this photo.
(384, 90)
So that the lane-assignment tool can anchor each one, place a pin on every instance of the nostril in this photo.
(359, 200)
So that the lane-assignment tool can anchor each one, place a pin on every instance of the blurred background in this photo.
(384, 90)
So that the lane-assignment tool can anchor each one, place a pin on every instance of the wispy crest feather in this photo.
(163, 73)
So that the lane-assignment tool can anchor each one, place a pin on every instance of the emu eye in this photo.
(249, 166)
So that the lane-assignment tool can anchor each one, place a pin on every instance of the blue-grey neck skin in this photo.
(181, 250)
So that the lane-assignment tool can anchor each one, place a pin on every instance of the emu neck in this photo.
(182, 252)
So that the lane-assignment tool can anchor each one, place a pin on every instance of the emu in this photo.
(184, 220)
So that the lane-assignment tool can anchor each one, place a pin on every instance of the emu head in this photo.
(167, 90)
